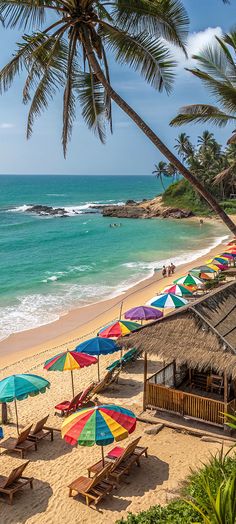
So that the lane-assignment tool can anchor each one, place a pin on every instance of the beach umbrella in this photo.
(205, 269)
(231, 249)
(232, 242)
(190, 281)
(69, 361)
(97, 346)
(19, 387)
(99, 425)
(119, 328)
(219, 260)
(178, 289)
(229, 253)
(167, 300)
(143, 313)
(220, 266)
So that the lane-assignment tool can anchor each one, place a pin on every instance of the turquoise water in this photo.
(49, 265)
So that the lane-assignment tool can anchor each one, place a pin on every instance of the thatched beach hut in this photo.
(198, 346)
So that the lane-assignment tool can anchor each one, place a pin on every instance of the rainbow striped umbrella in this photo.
(229, 253)
(69, 361)
(204, 269)
(219, 260)
(167, 300)
(190, 281)
(99, 425)
(232, 242)
(119, 328)
(178, 289)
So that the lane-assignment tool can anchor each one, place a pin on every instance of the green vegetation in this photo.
(213, 165)
(209, 497)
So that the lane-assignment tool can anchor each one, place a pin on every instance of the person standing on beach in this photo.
(169, 271)
(172, 268)
(164, 271)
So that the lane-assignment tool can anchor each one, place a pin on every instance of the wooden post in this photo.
(4, 413)
(144, 381)
(174, 372)
(225, 399)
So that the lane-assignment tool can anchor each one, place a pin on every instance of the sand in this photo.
(55, 465)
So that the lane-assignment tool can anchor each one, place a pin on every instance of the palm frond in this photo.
(217, 62)
(167, 18)
(202, 113)
(24, 13)
(21, 58)
(92, 100)
(144, 54)
(224, 93)
(50, 80)
(69, 100)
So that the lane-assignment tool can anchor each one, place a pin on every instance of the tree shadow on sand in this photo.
(26, 503)
(126, 387)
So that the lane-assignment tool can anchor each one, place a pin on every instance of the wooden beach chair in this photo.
(40, 431)
(122, 460)
(94, 489)
(66, 407)
(21, 444)
(109, 379)
(15, 482)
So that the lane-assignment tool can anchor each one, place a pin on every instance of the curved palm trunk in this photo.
(154, 138)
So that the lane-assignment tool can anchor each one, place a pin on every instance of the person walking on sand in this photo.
(164, 271)
(169, 271)
(172, 268)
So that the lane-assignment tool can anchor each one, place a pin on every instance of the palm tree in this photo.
(71, 53)
(160, 171)
(183, 146)
(218, 73)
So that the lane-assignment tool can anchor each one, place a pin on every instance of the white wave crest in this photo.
(80, 209)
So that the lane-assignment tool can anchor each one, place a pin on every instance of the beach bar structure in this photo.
(197, 347)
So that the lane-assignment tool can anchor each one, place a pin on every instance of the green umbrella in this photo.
(19, 387)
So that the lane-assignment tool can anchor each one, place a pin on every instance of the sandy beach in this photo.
(84, 322)
(55, 465)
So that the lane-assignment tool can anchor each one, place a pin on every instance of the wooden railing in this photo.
(185, 404)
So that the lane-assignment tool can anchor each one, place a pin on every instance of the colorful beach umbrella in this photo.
(219, 260)
(232, 242)
(119, 328)
(204, 269)
(229, 253)
(69, 361)
(190, 281)
(99, 425)
(19, 387)
(143, 313)
(167, 300)
(178, 289)
(97, 346)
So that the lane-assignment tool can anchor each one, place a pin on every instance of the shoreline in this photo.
(84, 321)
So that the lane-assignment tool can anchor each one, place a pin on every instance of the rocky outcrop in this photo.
(146, 209)
(47, 210)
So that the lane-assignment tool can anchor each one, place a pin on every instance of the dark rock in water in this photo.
(123, 211)
(177, 213)
(130, 202)
(47, 210)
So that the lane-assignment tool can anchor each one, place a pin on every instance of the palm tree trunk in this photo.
(154, 138)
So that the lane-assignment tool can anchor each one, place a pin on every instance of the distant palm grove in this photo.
(211, 163)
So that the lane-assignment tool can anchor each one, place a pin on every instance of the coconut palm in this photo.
(71, 53)
(218, 73)
(183, 146)
(160, 171)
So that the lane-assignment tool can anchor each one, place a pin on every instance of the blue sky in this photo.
(127, 151)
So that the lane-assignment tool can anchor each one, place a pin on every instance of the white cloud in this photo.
(6, 125)
(196, 42)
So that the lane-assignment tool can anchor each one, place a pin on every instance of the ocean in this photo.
(49, 265)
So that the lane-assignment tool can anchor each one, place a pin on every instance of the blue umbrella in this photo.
(97, 346)
(19, 387)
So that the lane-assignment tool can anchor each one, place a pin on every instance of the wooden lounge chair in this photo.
(14, 482)
(40, 431)
(94, 489)
(66, 407)
(21, 444)
(109, 378)
(122, 459)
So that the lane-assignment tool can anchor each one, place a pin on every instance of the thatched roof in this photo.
(202, 334)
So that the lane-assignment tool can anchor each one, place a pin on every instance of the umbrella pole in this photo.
(121, 307)
(72, 383)
(103, 462)
(98, 370)
(17, 421)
